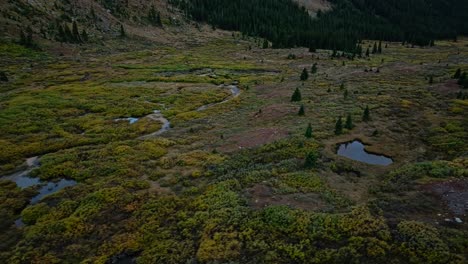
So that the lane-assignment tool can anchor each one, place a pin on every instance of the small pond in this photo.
(23, 181)
(355, 150)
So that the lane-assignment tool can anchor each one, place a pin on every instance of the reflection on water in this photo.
(355, 150)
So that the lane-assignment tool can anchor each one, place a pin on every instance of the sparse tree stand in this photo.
(366, 114)
(301, 111)
(311, 160)
(296, 97)
(304, 75)
(308, 133)
(122, 31)
(349, 122)
(339, 126)
(154, 17)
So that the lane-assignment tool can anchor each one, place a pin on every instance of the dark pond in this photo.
(23, 180)
(355, 150)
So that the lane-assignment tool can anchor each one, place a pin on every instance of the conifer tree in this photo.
(122, 31)
(314, 68)
(4, 78)
(301, 111)
(349, 122)
(308, 133)
(345, 94)
(379, 49)
(342, 86)
(374, 49)
(457, 74)
(339, 126)
(296, 97)
(61, 34)
(265, 44)
(76, 33)
(366, 115)
(431, 79)
(154, 17)
(22, 40)
(367, 52)
(68, 33)
(304, 75)
(311, 160)
(84, 35)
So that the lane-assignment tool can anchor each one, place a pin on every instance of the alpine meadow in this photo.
(234, 131)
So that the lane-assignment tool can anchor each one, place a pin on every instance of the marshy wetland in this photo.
(170, 154)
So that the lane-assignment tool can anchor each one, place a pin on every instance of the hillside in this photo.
(233, 132)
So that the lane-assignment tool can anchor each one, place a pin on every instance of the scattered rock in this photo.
(458, 220)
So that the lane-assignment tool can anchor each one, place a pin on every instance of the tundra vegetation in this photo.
(236, 178)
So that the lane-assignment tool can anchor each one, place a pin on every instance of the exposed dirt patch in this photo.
(261, 196)
(449, 87)
(274, 112)
(454, 193)
(268, 92)
(315, 5)
(254, 138)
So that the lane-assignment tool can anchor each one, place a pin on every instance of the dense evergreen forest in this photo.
(286, 24)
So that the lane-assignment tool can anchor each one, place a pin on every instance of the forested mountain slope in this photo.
(287, 24)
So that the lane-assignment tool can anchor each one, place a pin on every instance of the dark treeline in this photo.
(286, 24)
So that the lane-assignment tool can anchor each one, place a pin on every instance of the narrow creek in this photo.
(23, 180)
(166, 124)
(355, 150)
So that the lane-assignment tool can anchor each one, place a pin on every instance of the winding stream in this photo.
(235, 92)
(166, 124)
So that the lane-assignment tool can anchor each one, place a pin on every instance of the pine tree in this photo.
(154, 17)
(314, 68)
(84, 35)
(265, 44)
(4, 78)
(308, 133)
(431, 79)
(122, 31)
(366, 115)
(29, 41)
(342, 86)
(312, 48)
(374, 49)
(301, 111)
(349, 122)
(296, 97)
(61, 34)
(339, 126)
(22, 40)
(379, 49)
(367, 52)
(457, 74)
(311, 160)
(68, 33)
(304, 75)
(345, 94)
(76, 33)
